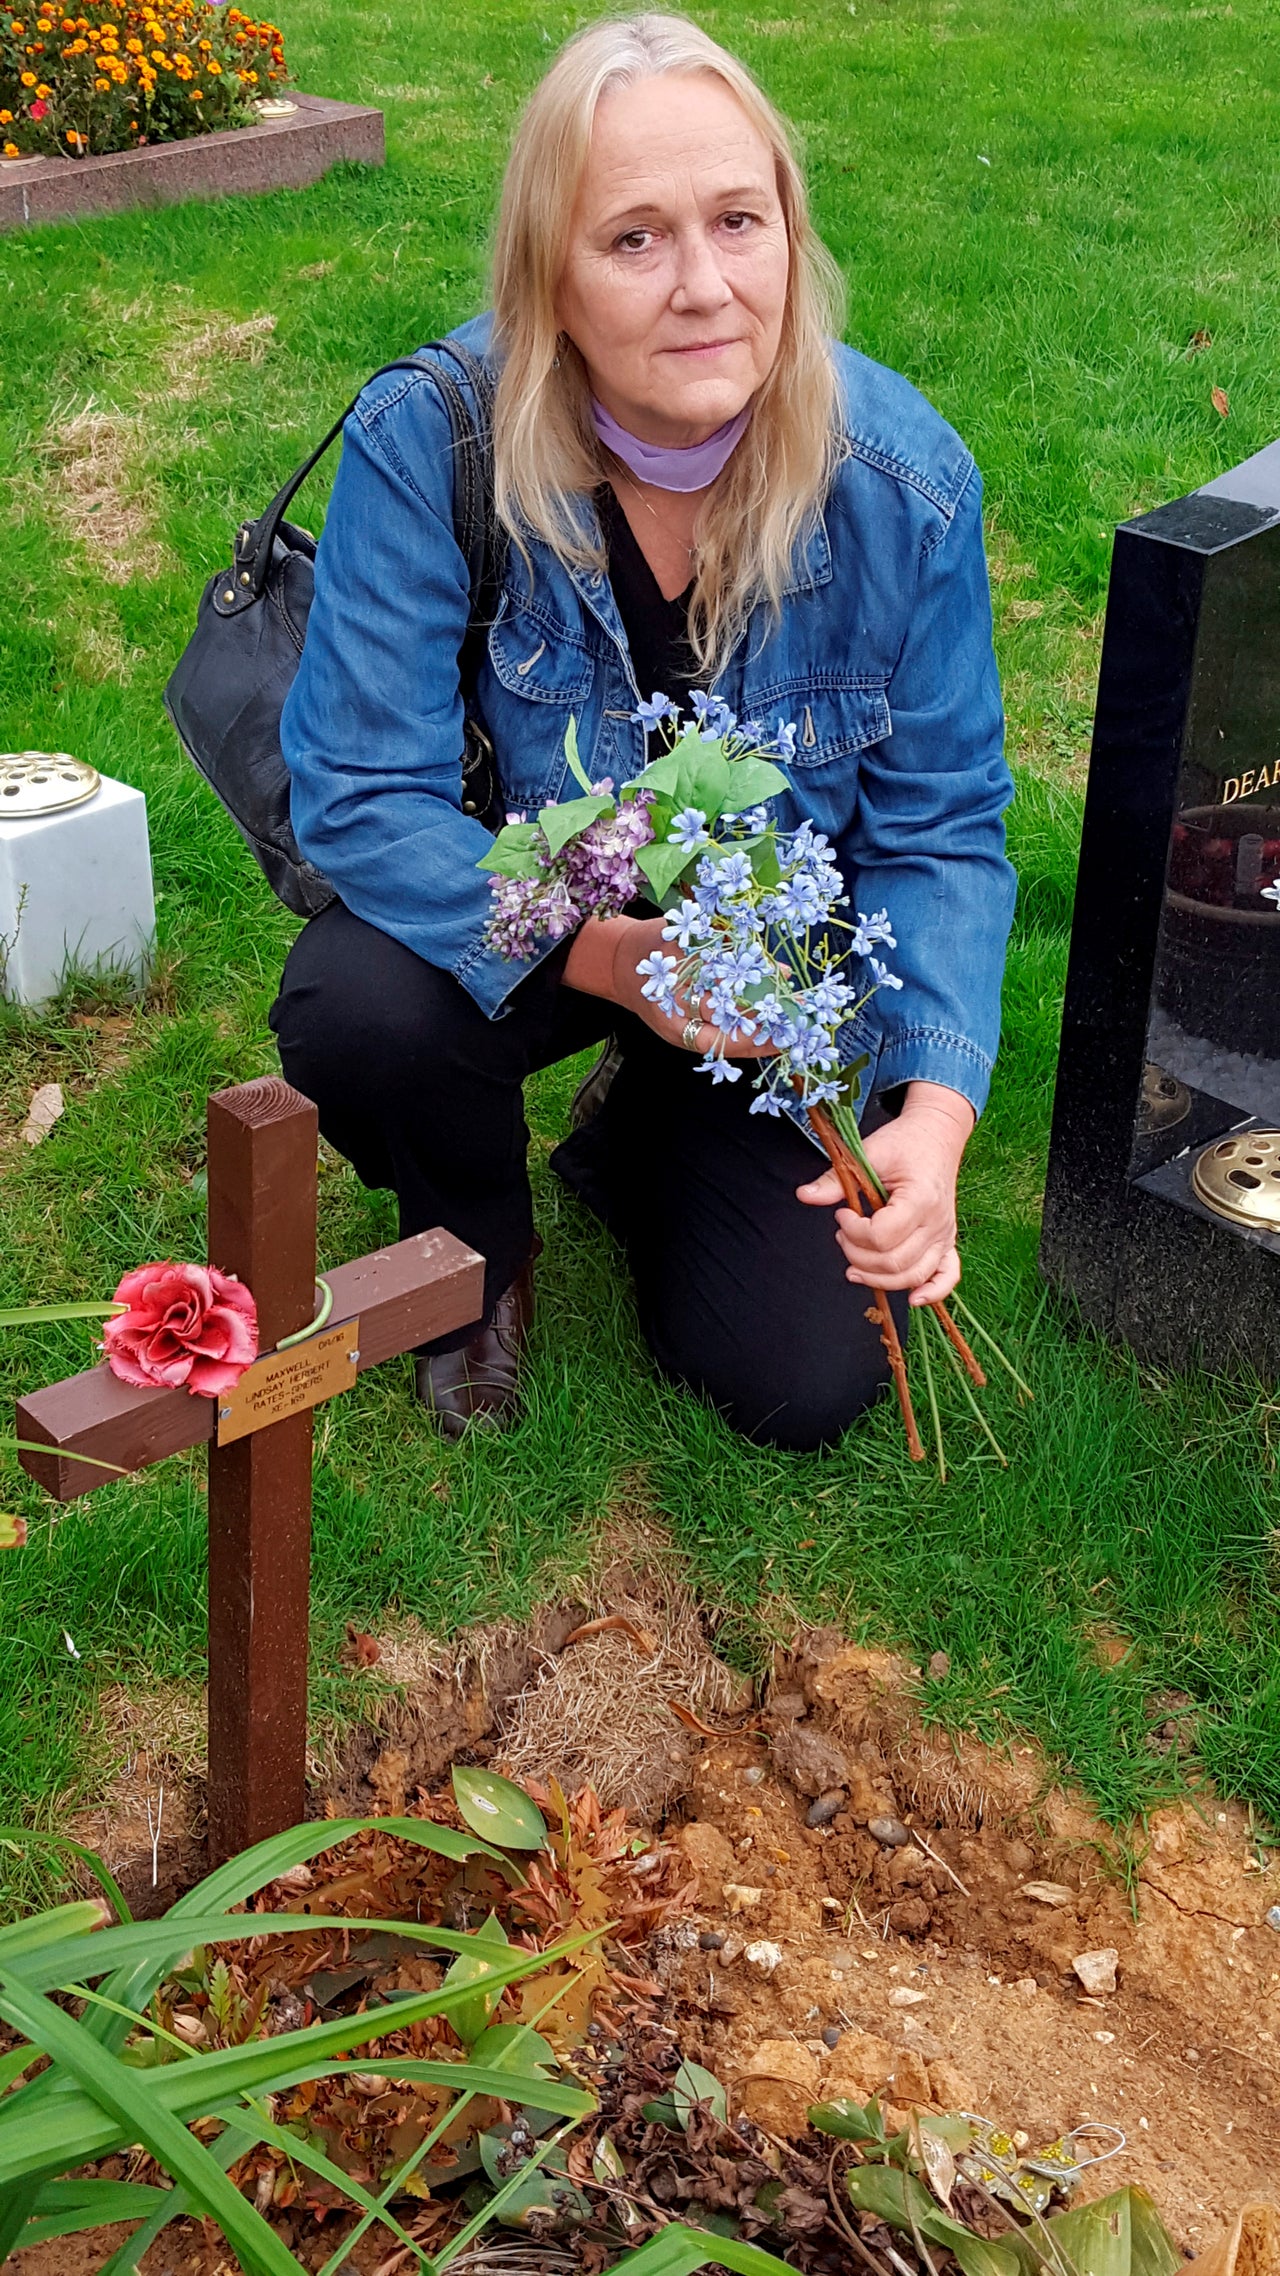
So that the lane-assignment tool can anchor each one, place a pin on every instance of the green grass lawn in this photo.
(1038, 205)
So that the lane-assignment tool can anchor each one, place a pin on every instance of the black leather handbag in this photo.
(228, 688)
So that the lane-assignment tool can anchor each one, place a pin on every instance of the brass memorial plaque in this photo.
(287, 1382)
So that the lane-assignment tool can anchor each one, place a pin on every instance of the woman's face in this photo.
(676, 275)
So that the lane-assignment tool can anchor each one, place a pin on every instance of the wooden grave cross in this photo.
(262, 1227)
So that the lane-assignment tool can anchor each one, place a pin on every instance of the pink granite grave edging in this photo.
(275, 154)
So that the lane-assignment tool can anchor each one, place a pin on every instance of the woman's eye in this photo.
(635, 241)
(737, 224)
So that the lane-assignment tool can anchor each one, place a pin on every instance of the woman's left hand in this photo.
(911, 1243)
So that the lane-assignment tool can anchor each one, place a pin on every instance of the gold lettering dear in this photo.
(1248, 785)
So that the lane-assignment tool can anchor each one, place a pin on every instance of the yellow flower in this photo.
(43, 93)
(28, 79)
(6, 118)
(44, 24)
(11, 150)
(17, 29)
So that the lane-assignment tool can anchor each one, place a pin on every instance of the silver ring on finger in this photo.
(690, 1032)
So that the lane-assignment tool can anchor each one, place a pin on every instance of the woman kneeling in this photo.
(694, 486)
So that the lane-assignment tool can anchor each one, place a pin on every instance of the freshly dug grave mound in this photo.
(942, 1932)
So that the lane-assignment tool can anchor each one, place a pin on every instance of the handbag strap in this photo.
(255, 541)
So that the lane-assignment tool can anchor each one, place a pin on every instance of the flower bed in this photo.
(129, 75)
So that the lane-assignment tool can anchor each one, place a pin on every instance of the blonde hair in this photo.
(546, 454)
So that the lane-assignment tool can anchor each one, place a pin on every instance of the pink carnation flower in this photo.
(186, 1323)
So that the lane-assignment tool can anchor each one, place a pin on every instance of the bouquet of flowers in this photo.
(756, 936)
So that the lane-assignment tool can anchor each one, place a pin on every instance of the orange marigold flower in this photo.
(6, 118)
(17, 29)
(28, 79)
(72, 136)
(11, 150)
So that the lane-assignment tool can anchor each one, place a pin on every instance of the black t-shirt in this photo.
(657, 630)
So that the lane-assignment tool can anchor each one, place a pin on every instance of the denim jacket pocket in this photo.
(831, 721)
(538, 659)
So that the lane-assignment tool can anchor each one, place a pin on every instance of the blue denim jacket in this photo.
(882, 656)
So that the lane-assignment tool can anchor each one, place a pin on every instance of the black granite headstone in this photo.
(1171, 1025)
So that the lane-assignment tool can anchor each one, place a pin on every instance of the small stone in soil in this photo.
(1097, 1970)
(940, 1667)
(821, 1812)
(1273, 1917)
(764, 1957)
(889, 1832)
(831, 2036)
(755, 1775)
(711, 1940)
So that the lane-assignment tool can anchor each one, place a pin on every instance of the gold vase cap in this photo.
(1239, 1178)
(42, 782)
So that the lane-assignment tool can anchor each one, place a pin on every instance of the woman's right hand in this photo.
(603, 961)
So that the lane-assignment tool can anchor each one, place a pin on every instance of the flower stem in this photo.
(993, 1346)
(933, 1405)
(846, 1168)
(981, 1420)
(958, 1344)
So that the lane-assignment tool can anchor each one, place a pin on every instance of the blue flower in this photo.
(651, 714)
(884, 977)
(784, 742)
(827, 1000)
(876, 928)
(766, 1102)
(688, 926)
(712, 714)
(659, 986)
(689, 829)
(720, 1070)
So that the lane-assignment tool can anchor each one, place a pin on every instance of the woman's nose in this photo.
(700, 281)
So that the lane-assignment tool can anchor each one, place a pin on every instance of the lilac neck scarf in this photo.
(688, 469)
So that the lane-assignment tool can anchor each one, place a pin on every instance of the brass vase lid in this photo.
(1239, 1178)
(42, 782)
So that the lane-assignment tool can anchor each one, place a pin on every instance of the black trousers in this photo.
(741, 1288)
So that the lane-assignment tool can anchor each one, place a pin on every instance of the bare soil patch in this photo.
(923, 1930)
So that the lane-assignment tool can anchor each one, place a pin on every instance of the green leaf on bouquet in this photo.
(752, 781)
(662, 774)
(571, 818)
(575, 766)
(703, 777)
(514, 852)
(663, 864)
